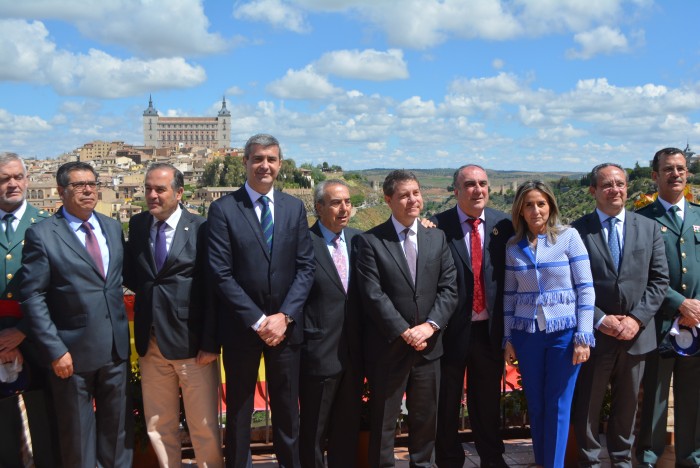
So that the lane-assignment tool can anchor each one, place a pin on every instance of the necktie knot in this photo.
(474, 222)
(160, 225)
(612, 221)
(9, 217)
(336, 241)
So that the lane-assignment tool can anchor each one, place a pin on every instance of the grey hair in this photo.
(319, 191)
(262, 139)
(6, 157)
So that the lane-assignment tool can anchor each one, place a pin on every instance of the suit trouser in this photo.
(549, 378)
(651, 441)
(330, 409)
(282, 375)
(161, 380)
(93, 435)
(484, 373)
(420, 380)
(624, 372)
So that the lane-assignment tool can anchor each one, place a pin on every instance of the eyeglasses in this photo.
(612, 186)
(81, 186)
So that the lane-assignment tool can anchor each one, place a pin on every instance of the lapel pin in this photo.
(696, 228)
(187, 228)
(495, 231)
(32, 220)
(664, 228)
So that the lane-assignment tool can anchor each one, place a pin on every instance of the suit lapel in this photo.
(28, 218)
(247, 208)
(279, 220)
(425, 250)
(690, 220)
(143, 232)
(659, 214)
(598, 240)
(393, 244)
(456, 234)
(629, 234)
(323, 256)
(113, 237)
(183, 234)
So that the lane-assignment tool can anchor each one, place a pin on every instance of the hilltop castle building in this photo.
(174, 132)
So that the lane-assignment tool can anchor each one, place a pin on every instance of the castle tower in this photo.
(150, 125)
(224, 126)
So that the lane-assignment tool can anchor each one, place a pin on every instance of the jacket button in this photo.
(684, 287)
(682, 241)
(8, 256)
(9, 295)
(9, 276)
(685, 270)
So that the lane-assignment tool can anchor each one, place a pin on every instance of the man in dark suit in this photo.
(261, 260)
(407, 280)
(473, 339)
(17, 215)
(331, 355)
(174, 326)
(73, 301)
(681, 235)
(630, 278)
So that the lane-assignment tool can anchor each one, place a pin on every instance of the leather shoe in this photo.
(494, 463)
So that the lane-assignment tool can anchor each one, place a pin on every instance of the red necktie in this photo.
(93, 247)
(479, 301)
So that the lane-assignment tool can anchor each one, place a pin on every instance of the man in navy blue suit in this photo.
(262, 265)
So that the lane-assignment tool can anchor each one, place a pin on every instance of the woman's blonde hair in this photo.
(553, 228)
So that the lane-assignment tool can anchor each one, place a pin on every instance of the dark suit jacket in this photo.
(392, 303)
(175, 300)
(69, 306)
(331, 316)
(638, 289)
(497, 230)
(249, 282)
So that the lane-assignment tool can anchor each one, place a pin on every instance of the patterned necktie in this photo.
(409, 249)
(93, 247)
(266, 221)
(9, 230)
(340, 264)
(160, 247)
(675, 219)
(614, 242)
(479, 300)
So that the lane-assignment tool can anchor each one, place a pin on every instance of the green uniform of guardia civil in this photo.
(10, 278)
(683, 255)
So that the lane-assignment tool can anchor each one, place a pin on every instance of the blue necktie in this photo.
(614, 242)
(160, 247)
(266, 221)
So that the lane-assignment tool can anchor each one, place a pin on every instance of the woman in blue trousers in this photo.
(548, 308)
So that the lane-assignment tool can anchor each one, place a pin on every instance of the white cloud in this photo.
(302, 84)
(497, 64)
(21, 124)
(602, 40)
(234, 91)
(36, 59)
(275, 12)
(415, 107)
(368, 64)
(149, 27)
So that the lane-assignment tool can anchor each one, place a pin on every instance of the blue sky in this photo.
(508, 84)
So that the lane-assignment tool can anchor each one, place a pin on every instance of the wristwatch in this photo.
(288, 319)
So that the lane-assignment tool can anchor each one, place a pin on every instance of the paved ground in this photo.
(518, 454)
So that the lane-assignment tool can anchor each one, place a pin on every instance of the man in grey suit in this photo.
(630, 278)
(73, 300)
(174, 323)
(473, 339)
(679, 221)
(330, 390)
(262, 264)
(407, 280)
